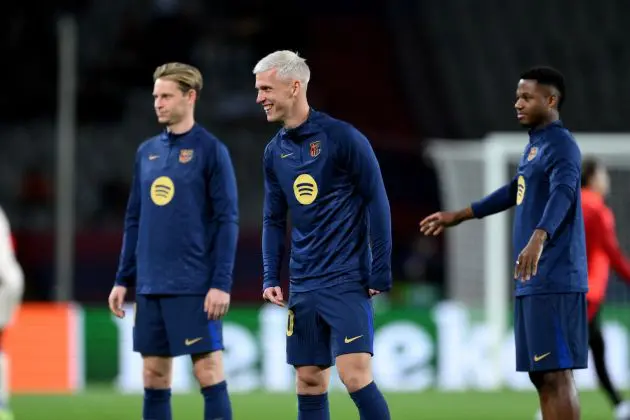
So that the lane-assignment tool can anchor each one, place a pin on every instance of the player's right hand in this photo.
(437, 222)
(274, 295)
(116, 300)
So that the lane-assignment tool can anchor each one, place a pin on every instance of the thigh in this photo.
(149, 330)
(188, 328)
(520, 337)
(557, 331)
(347, 309)
(308, 336)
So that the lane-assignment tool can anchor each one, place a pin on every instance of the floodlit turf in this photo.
(103, 404)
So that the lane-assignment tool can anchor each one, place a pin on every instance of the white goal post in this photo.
(478, 264)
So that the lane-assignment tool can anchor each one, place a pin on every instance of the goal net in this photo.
(479, 254)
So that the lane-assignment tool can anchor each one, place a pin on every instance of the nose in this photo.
(260, 98)
(518, 105)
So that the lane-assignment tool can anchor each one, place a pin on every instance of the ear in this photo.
(192, 95)
(553, 100)
(295, 87)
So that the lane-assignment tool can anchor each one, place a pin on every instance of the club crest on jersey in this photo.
(316, 148)
(532, 154)
(185, 155)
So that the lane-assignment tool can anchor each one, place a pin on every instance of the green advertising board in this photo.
(415, 349)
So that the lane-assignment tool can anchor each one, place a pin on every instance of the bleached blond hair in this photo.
(288, 64)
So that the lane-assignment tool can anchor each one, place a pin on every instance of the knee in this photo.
(549, 381)
(311, 380)
(208, 368)
(156, 373)
(354, 370)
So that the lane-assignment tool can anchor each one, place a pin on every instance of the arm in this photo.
(564, 167)
(224, 200)
(274, 224)
(359, 158)
(496, 202)
(619, 263)
(126, 275)
(11, 274)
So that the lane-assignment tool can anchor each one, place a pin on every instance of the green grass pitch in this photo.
(105, 404)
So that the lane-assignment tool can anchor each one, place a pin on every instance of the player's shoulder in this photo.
(206, 139)
(561, 133)
(562, 141)
(151, 143)
(334, 127)
(340, 133)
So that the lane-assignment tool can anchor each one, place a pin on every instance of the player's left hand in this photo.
(216, 304)
(527, 262)
(374, 292)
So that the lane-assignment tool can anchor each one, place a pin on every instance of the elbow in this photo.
(274, 223)
(227, 219)
(565, 190)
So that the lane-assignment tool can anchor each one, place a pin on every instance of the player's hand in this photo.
(217, 304)
(274, 295)
(435, 224)
(116, 300)
(374, 292)
(527, 262)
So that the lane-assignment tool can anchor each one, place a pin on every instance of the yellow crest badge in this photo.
(532, 154)
(315, 148)
(185, 155)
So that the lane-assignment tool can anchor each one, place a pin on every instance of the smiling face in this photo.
(277, 96)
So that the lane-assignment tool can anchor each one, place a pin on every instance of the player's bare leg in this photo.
(5, 413)
(208, 369)
(355, 371)
(312, 390)
(557, 394)
(156, 375)
(312, 380)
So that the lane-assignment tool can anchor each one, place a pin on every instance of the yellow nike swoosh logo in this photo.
(189, 342)
(282, 156)
(542, 356)
(350, 340)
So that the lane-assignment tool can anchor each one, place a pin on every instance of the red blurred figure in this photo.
(603, 252)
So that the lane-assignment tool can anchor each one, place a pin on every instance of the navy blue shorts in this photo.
(173, 325)
(329, 322)
(551, 332)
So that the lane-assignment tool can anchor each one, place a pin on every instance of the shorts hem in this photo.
(152, 353)
(321, 363)
(555, 369)
(341, 353)
(193, 352)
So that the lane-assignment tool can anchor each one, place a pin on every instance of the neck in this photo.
(184, 126)
(551, 118)
(298, 116)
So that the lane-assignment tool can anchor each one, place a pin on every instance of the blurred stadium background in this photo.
(431, 82)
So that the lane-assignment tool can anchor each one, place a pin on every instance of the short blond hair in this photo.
(288, 64)
(186, 76)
